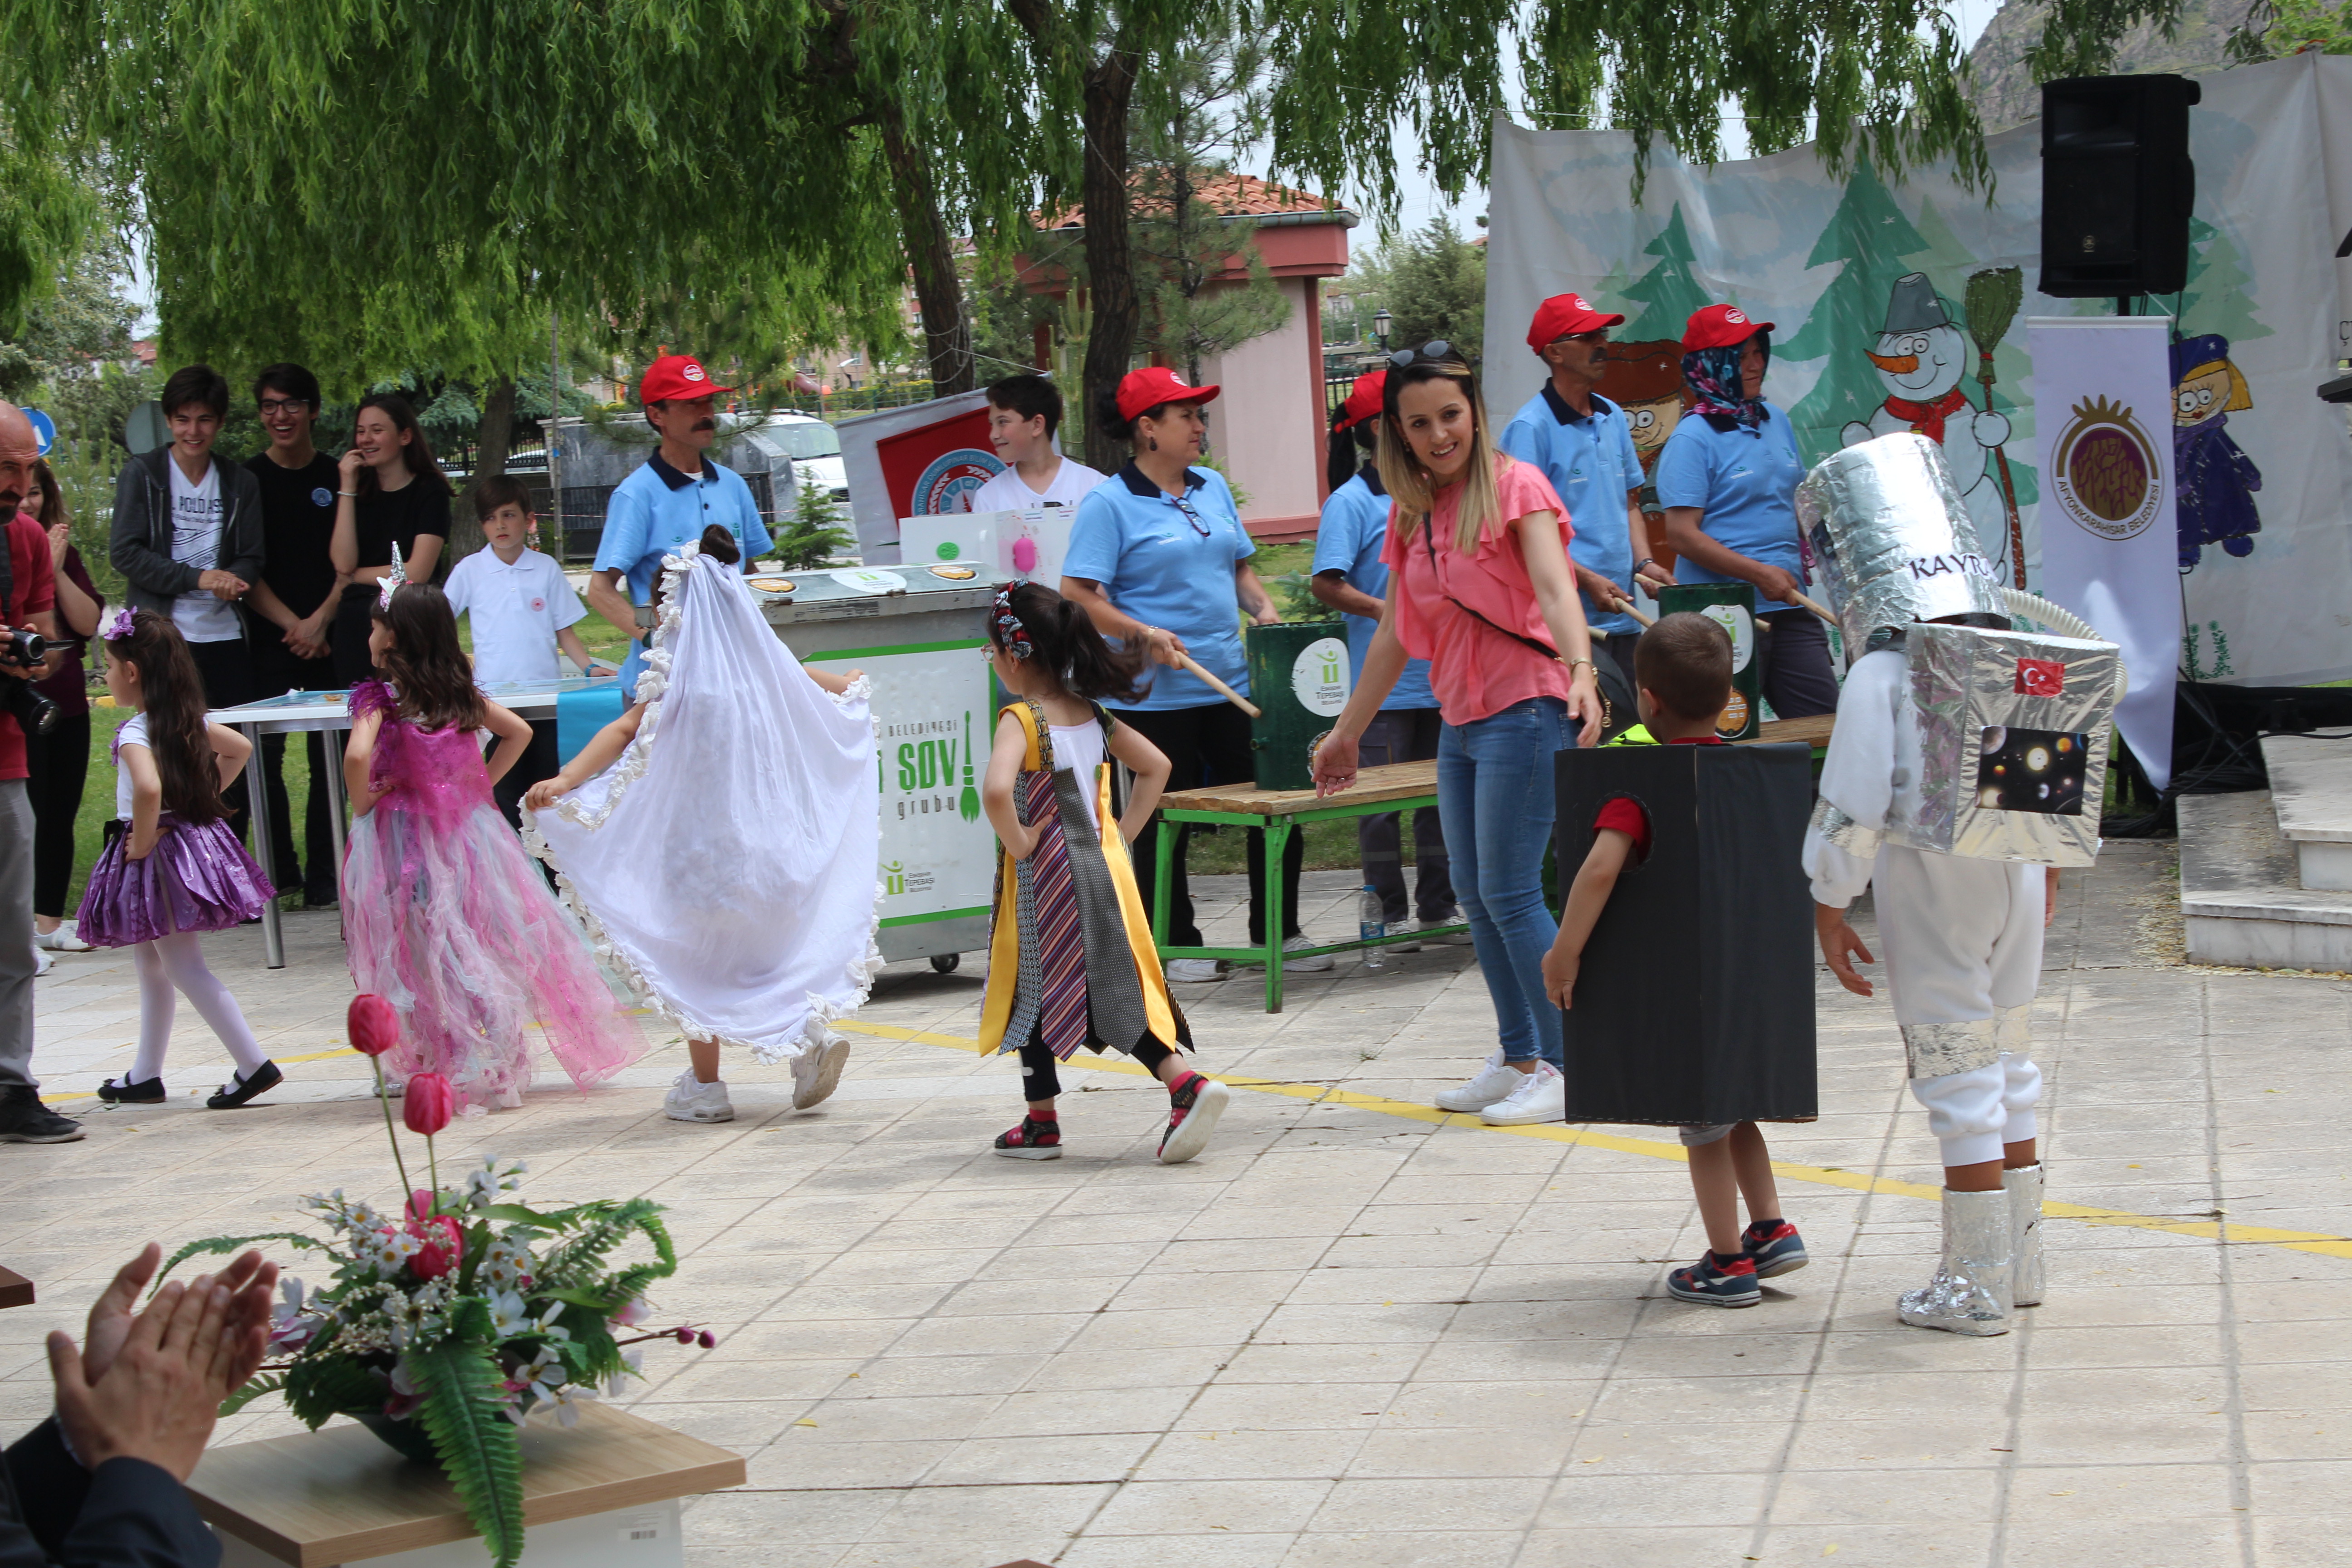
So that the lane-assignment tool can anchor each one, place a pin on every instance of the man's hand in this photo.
(1559, 975)
(1653, 577)
(1771, 583)
(1841, 945)
(175, 1362)
(2048, 894)
(220, 585)
(1599, 592)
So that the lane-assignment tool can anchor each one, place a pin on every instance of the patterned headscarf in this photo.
(1713, 377)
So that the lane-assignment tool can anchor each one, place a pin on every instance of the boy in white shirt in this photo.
(1023, 412)
(522, 609)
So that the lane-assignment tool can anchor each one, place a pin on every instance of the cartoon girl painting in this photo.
(2214, 481)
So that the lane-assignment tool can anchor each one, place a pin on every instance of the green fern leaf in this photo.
(252, 1391)
(465, 1418)
(217, 1244)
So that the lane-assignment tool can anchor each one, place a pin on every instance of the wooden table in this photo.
(1279, 813)
(339, 1495)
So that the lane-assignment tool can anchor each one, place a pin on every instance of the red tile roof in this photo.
(1234, 195)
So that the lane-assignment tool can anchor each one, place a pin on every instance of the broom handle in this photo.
(2007, 486)
(1634, 610)
(1817, 609)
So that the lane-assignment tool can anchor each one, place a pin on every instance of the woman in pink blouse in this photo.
(1479, 584)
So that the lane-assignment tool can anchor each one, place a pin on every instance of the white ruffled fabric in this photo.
(726, 866)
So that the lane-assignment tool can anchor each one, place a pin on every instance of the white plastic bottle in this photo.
(1371, 923)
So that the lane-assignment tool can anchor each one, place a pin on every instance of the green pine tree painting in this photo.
(1871, 240)
(2216, 299)
(1667, 292)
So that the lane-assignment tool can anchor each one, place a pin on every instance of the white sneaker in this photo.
(1439, 936)
(42, 961)
(816, 1071)
(1313, 963)
(1195, 971)
(65, 939)
(507, 1100)
(691, 1099)
(1542, 1096)
(1493, 1084)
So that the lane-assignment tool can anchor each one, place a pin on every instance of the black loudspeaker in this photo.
(2117, 184)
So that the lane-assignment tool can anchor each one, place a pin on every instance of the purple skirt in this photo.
(196, 879)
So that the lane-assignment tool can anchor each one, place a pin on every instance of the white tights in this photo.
(169, 966)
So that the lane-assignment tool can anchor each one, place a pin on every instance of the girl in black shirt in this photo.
(393, 492)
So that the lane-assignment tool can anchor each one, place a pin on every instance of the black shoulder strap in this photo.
(1544, 648)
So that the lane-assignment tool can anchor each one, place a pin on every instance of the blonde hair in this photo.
(1408, 484)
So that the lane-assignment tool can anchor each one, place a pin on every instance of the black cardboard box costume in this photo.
(1966, 760)
(1694, 995)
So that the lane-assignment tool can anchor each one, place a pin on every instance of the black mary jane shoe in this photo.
(237, 1090)
(126, 1091)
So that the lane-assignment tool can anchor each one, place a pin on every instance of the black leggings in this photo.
(57, 764)
(1039, 1080)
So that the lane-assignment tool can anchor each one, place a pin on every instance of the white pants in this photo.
(1963, 950)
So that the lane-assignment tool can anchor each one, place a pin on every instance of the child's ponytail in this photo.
(1064, 643)
(172, 696)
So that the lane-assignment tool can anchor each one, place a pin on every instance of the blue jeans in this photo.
(1494, 799)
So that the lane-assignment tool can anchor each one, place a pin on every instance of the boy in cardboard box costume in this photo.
(1967, 765)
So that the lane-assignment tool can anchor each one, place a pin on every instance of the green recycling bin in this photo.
(1299, 680)
(1732, 606)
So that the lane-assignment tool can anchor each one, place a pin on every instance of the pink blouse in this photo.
(1475, 670)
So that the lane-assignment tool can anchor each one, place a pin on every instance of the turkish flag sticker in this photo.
(2040, 677)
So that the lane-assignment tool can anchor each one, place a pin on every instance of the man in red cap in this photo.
(670, 501)
(1584, 446)
(1349, 576)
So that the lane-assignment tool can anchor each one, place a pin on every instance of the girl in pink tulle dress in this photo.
(443, 915)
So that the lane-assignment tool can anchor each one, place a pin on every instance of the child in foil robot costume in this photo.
(1967, 764)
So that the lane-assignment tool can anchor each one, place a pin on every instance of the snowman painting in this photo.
(1921, 354)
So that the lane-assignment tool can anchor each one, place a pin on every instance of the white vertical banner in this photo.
(2103, 387)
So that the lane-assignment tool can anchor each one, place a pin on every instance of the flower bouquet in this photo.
(449, 1322)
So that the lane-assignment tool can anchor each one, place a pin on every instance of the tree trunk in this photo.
(1110, 261)
(493, 437)
(947, 333)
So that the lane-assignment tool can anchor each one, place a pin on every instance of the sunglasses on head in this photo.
(1437, 351)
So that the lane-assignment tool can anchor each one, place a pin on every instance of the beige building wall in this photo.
(1266, 428)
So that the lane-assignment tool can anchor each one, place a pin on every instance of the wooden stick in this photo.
(1634, 610)
(1817, 609)
(1227, 692)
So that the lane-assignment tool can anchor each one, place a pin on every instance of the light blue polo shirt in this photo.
(1169, 571)
(1591, 461)
(1348, 541)
(657, 508)
(1745, 481)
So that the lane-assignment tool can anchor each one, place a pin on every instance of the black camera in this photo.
(35, 713)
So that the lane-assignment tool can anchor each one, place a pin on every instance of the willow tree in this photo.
(370, 187)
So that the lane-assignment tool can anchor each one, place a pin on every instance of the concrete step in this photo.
(2311, 792)
(2242, 894)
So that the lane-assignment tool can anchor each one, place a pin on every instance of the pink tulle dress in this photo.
(445, 917)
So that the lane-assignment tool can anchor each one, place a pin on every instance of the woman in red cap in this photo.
(1479, 584)
(1158, 557)
(1727, 480)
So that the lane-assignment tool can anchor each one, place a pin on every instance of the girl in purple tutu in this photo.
(171, 869)
(443, 915)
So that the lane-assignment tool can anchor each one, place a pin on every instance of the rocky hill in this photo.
(2005, 92)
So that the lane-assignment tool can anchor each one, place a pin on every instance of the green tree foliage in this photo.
(1200, 105)
(1869, 238)
(1667, 292)
(81, 321)
(1433, 283)
(812, 535)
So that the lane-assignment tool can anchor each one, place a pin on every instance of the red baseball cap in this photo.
(1145, 389)
(1363, 400)
(677, 378)
(1562, 314)
(1719, 327)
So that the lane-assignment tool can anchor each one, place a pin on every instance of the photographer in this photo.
(28, 598)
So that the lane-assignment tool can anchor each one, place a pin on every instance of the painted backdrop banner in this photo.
(2104, 392)
(1894, 310)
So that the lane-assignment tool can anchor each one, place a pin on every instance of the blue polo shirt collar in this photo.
(1370, 474)
(1138, 484)
(669, 475)
(1563, 412)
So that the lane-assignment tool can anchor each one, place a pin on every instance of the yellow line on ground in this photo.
(1553, 1132)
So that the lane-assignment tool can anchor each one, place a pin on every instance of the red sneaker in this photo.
(1032, 1140)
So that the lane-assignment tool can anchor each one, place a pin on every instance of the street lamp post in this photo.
(1381, 322)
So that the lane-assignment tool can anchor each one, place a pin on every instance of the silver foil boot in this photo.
(1969, 1294)
(2025, 1190)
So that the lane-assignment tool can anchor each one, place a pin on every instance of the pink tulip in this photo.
(373, 1027)
(428, 1104)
